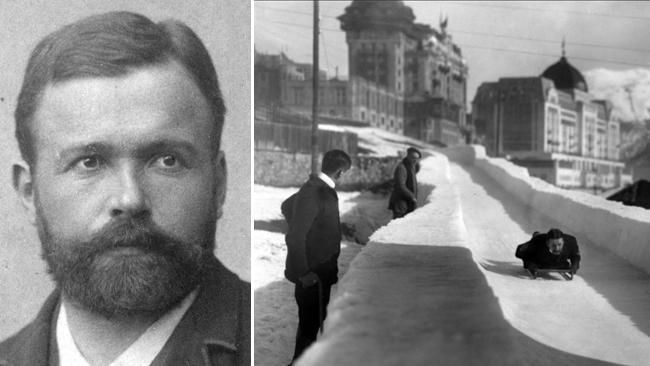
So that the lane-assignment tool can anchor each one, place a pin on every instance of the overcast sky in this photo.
(498, 39)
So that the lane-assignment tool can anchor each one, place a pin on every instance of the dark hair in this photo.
(110, 45)
(334, 160)
(554, 234)
(413, 150)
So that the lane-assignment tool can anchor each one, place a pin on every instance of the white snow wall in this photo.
(370, 318)
(373, 318)
(625, 230)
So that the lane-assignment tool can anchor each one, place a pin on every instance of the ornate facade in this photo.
(404, 77)
(417, 64)
(553, 126)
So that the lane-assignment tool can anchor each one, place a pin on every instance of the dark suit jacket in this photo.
(405, 188)
(536, 251)
(314, 235)
(215, 330)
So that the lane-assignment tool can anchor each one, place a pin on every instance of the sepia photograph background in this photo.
(223, 26)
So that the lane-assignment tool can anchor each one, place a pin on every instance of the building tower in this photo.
(376, 36)
(417, 66)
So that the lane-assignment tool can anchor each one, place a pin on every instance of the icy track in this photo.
(442, 287)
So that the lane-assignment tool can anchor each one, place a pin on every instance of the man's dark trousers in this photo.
(400, 209)
(405, 189)
(313, 246)
(308, 314)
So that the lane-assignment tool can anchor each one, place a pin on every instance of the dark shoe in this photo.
(532, 273)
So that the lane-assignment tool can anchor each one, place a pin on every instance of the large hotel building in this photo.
(404, 77)
(551, 125)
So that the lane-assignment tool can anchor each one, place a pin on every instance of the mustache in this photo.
(132, 233)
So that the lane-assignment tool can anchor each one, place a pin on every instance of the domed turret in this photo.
(376, 15)
(565, 76)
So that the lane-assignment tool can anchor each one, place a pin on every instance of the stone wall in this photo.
(280, 169)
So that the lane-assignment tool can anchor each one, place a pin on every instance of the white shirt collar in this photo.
(140, 353)
(325, 178)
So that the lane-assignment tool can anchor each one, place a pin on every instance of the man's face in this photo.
(126, 188)
(555, 246)
(413, 157)
(340, 172)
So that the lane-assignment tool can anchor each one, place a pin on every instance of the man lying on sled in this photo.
(553, 250)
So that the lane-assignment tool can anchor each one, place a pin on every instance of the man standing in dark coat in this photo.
(313, 245)
(119, 125)
(553, 250)
(405, 185)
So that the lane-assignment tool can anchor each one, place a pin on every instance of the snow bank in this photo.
(622, 229)
(414, 293)
(429, 220)
(275, 310)
(416, 296)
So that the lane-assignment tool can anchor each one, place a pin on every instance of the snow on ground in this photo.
(276, 316)
(442, 286)
(275, 310)
(414, 296)
(611, 225)
(601, 314)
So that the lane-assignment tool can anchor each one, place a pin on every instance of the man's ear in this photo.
(222, 179)
(22, 182)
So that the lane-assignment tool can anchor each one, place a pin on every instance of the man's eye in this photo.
(167, 161)
(89, 163)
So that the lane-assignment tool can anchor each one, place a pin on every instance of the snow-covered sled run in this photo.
(442, 286)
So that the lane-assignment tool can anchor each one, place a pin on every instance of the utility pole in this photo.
(314, 126)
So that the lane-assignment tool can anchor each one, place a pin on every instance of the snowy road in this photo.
(602, 314)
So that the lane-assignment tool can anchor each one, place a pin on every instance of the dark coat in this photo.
(535, 251)
(215, 330)
(314, 235)
(405, 188)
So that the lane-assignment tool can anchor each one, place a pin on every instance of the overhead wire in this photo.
(549, 41)
(551, 55)
(510, 7)
(595, 45)
(494, 6)
(462, 44)
(305, 36)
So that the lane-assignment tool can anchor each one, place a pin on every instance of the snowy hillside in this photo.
(377, 142)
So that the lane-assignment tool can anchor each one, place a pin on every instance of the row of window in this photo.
(562, 137)
(382, 120)
(302, 96)
(378, 101)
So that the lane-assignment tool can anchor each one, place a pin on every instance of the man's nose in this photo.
(130, 198)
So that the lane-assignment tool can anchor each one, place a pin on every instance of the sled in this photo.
(565, 273)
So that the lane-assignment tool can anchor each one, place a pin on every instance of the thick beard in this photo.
(156, 274)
